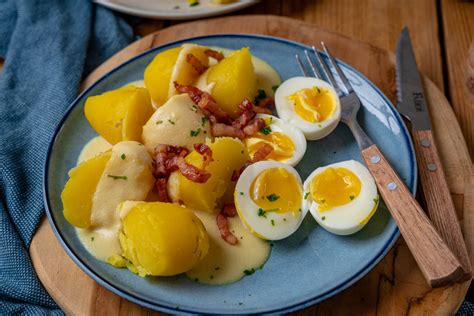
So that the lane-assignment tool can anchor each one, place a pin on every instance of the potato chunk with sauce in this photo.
(234, 80)
(178, 122)
(161, 239)
(119, 115)
(80, 188)
(169, 66)
(228, 154)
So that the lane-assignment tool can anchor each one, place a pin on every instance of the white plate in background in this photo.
(173, 9)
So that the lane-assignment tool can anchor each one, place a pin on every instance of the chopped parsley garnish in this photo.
(194, 108)
(273, 222)
(204, 120)
(196, 280)
(319, 125)
(266, 130)
(317, 89)
(275, 87)
(159, 122)
(261, 94)
(193, 3)
(306, 195)
(323, 218)
(171, 122)
(284, 219)
(92, 238)
(241, 193)
(123, 156)
(322, 201)
(211, 277)
(376, 200)
(299, 210)
(262, 212)
(351, 197)
(249, 272)
(195, 133)
(117, 177)
(273, 197)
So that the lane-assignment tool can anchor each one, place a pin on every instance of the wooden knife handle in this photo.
(439, 203)
(436, 261)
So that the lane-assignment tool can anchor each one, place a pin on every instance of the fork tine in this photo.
(328, 73)
(315, 69)
(341, 74)
(300, 64)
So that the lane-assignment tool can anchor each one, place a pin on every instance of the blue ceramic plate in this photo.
(304, 269)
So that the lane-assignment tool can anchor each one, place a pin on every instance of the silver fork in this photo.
(438, 264)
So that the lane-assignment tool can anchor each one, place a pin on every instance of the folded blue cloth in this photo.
(48, 46)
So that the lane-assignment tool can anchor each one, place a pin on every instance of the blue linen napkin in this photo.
(48, 47)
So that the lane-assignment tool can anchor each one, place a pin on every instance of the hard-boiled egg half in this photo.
(310, 104)
(268, 198)
(288, 142)
(342, 197)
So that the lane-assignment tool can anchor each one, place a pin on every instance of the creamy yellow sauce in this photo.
(94, 147)
(226, 263)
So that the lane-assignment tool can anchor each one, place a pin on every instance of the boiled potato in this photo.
(161, 239)
(229, 154)
(80, 188)
(158, 74)
(178, 122)
(119, 115)
(234, 78)
(170, 66)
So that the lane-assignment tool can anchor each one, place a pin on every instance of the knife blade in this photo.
(411, 99)
(412, 104)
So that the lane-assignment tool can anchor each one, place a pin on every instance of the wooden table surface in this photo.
(442, 32)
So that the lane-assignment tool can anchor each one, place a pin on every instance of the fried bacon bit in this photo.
(214, 54)
(196, 63)
(254, 127)
(206, 153)
(171, 158)
(221, 129)
(227, 211)
(191, 172)
(204, 101)
(261, 153)
(265, 103)
(162, 191)
(262, 110)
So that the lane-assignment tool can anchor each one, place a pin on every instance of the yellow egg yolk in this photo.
(276, 190)
(334, 187)
(313, 104)
(283, 146)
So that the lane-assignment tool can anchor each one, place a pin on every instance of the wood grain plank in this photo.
(379, 23)
(458, 25)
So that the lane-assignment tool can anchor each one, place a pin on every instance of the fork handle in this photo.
(439, 203)
(437, 263)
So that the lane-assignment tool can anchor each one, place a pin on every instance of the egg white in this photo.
(285, 224)
(349, 218)
(286, 112)
(295, 134)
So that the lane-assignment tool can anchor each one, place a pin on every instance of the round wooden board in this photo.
(395, 286)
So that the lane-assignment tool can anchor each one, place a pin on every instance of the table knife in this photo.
(412, 105)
